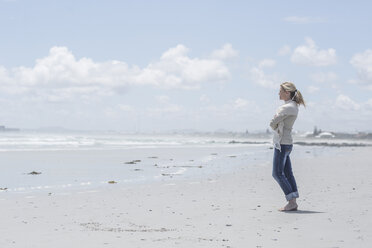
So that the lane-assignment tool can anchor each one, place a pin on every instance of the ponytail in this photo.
(295, 94)
(297, 97)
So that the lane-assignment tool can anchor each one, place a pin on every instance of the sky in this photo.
(157, 66)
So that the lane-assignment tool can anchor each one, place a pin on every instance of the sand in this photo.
(237, 209)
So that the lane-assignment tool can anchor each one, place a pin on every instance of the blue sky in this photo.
(165, 65)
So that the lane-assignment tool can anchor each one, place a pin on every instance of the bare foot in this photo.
(289, 207)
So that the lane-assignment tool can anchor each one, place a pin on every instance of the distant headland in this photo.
(8, 129)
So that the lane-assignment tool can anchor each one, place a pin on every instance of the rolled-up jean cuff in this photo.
(292, 195)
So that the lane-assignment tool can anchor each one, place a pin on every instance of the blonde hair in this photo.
(295, 94)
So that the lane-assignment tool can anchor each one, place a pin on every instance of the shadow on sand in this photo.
(303, 212)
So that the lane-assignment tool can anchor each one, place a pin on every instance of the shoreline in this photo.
(66, 170)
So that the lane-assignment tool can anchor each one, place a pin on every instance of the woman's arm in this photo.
(281, 114)
(276, 119)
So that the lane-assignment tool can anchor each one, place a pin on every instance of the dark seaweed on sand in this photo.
(34, 173)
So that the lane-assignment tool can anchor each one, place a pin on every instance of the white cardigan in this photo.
(282, 123)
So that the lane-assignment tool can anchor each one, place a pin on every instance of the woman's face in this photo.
(284, 95)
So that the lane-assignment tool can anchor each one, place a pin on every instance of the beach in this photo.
(154, 124)
(202, 197)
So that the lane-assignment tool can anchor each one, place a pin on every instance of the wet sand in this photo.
(236, 209)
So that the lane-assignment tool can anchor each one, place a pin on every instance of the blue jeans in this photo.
(282, 172)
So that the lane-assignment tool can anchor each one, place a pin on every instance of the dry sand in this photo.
(222, 210)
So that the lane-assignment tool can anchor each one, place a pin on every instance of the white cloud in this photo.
(168, 109)
(258, 76)
(163, 106)
(63, 76)
(266, 63)
(312, 89)
(162, 99)
(303, 19)
(232, 109)
(341, 113)
(284, 50)
(362, 62)
(126, 108)
(309, 54)
(175, 52)
(368, 104)
(204, 98)
(324, 77)
(176, 70)
(344, 102)
(226, 52)
(240, 103)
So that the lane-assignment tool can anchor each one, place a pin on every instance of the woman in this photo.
(282, 124)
